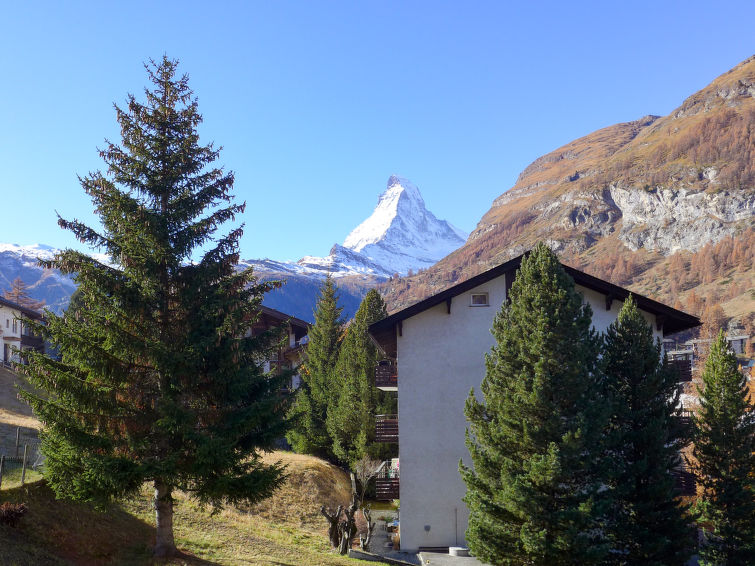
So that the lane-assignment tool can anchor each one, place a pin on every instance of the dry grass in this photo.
(286, 530)
(14, 413)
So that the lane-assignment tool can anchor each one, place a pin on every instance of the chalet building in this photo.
(14, 333)
(289, 355)
(435, 353)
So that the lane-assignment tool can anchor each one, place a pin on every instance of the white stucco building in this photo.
(437, 348)
(14, 333)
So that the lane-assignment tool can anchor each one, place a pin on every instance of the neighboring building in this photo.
(289, 355)
(436, 354)
(14, 333)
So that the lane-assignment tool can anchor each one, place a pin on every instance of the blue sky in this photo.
(317, 103)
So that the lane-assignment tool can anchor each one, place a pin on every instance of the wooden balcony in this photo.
(386, 377)
(386, 428)
(387, 483)
(685, 418)
(684, 367)
(685, 482)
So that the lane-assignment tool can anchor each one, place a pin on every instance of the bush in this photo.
(11, 513)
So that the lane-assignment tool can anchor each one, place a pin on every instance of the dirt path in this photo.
(14, 413)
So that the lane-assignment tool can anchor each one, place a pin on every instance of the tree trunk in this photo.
(334, 534)
(165, 545)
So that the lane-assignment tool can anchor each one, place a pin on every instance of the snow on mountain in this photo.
(44, 284)
(401, 234)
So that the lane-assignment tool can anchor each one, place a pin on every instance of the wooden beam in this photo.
(609, 301)
(659, 320)
(400, 328)
(448, 305)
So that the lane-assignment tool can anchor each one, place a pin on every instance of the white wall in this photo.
(7, 333)
(440, 358)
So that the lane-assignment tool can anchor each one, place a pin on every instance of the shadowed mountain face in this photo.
(626, 200)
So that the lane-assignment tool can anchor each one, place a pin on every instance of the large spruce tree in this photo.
(157, 382)
(309, 433)
(725, 455)
(351, 417)
(647, 524)
(533, 438)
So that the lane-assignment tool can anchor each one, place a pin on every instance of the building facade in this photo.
(435, 353)
(15, 335)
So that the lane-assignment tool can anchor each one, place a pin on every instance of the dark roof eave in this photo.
(675, 320)
(283, 317)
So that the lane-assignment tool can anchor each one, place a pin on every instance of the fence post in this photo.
(18, 434)
(2, 461)
(23, 469)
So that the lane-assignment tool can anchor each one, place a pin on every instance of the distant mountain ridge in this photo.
(400, 235)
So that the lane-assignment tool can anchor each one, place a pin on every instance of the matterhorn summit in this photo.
(401, 234)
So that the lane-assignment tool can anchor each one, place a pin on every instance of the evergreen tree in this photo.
(309, 434)
(725, 454)
(157, 381)
(19, 294)
(351, 417)
(533, 438)
(648, 526)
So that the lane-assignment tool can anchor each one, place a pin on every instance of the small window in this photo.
(479, 300)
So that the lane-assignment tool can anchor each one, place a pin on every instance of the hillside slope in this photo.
(642, 203)
(286, 529)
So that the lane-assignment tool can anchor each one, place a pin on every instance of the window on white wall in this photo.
(479, 300)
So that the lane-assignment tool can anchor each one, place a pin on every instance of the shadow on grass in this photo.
(68, 532)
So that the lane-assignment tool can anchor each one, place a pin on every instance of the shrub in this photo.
(11, 513)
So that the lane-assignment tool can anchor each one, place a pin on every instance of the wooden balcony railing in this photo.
(387, 483)
(685, 482)
(386, 428)
(685, 418)
(386, 377)
(684, 367)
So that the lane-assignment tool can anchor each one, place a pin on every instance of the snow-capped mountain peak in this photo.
(401, 234)
(375, 227)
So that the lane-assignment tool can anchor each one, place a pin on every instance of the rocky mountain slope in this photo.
(635, 203)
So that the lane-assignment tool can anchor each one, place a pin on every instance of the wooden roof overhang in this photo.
(299, 327)
(670, 320)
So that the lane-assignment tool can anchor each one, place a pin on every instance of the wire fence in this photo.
(20, 465)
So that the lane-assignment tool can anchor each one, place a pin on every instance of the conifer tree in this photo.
(157, 382)
(351, 418)
(19, 294)
(533, 439)
(725, 454)
(309, 434)
(647, 524)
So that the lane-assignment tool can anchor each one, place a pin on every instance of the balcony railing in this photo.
(386, 428)
(684, 367)
(387, 483)
(386, 377)
(685, 482)
(685, 418)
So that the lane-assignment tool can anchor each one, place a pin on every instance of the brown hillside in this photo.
(663, 205)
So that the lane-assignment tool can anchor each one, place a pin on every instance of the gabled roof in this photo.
(25, 310)
(673, 320)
